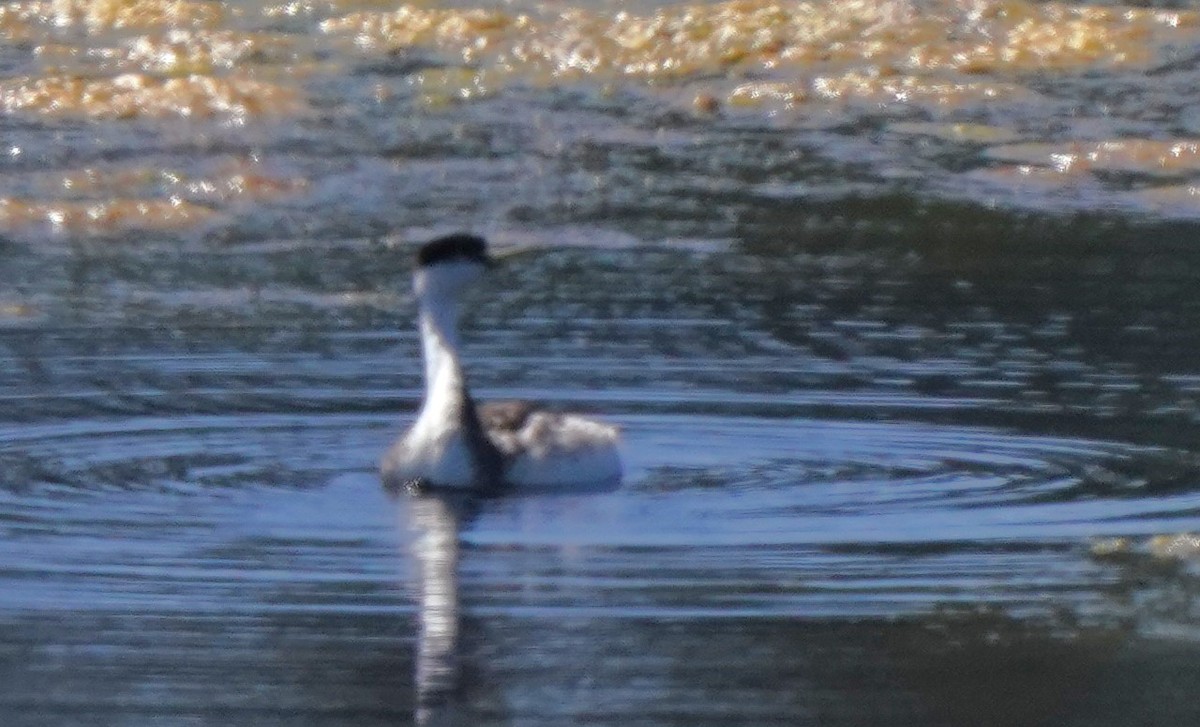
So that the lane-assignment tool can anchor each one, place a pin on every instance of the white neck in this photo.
(444, 379)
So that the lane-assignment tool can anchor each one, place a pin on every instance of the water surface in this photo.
(906, 372)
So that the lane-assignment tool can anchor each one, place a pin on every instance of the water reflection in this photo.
(985, 664)
(435, 520)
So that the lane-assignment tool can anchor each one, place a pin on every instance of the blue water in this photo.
(192, 508)
(899, 448)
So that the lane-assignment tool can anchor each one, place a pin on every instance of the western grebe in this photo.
(456, 444)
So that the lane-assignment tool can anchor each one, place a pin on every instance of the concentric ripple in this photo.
(823, 472)
(719, 515)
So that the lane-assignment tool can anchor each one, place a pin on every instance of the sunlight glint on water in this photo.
(895, 304)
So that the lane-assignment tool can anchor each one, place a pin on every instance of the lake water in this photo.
(895, 303)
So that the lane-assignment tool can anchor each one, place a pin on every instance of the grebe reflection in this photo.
(435, 522)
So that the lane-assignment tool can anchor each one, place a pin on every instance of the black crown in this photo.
(459, 246)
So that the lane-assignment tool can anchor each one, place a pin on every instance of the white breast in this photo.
(432, 452)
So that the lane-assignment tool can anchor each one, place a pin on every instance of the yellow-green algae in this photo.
(98, 217)
(747, 53)
(862, 47)
(173, 58)
(16, 310)
(118, 60)
(967, 133)
(1170, 156)
(681, 40)
(133, 95)
(101, 201)
(22, 20)
(1184, 547)
(174, 53)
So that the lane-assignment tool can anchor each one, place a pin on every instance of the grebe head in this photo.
(448, 264)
